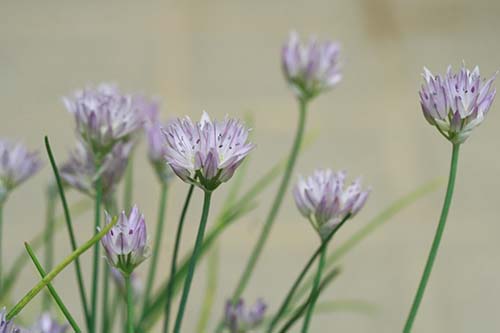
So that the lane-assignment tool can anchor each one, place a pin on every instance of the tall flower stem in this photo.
(437, 239)
(173, 264)
(1, 245)
(52, 290)
(192, 263)
(58, 269)
(49, 239)
(157, 243)
(259, 246)
(95, 271)
(105, 298)
(130, 303)
(314, 290)
(284, 306)
(69, 226)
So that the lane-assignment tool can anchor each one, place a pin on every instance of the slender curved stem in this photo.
(130, 304)
(105, 298)
(302, 307)
(210, 290)
(52, 291)
(1, 246)
(173, 264)
(157, 244)
(69, 226)
(302, 274)
(314, 291)
(193, 261)
(58, 269)
(129, 185)
(95, 271)
(259, 246)
(49, 239)
(437, 239)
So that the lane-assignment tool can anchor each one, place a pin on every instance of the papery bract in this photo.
(323, 199)
(456, 103)
(206, 153)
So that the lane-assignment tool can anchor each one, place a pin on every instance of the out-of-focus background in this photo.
(224, 57)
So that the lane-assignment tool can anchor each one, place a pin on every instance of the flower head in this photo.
(47, 324)
(240, 319)
(206, 153)
(457, 102)
(16, 165)
(126, 244)
(323, 199)
(7, 326)
(82, 173)
(310, 68)
(104, 116)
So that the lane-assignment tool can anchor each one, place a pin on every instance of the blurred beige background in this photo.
(223, 56)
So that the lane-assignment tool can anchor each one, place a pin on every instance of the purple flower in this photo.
(239, 319)
(16, 165)
(126, 243)
(323, 199)
(206, 153)
(310, 68)
(47, 324)
(7, 326)
(82, 173)
(137, 285)
(457, 102)
(104, 116)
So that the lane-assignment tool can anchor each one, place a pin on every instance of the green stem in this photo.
(52, 291)
(192, 264)
(105, 298)
(291, 292)
(437, 239)
(52, 274)
(173, 264)
(210, 291)
(247, 273)
(157, 244)
(130, 304)
(95, 271)
(305, 305)
(314, 291)
(69, 226)
(1, 246)
(49, 240)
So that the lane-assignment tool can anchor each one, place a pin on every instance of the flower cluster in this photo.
(206, 153)
(47, 324)
(81, 171)
(107, 122)
(310, 68)
(7, 326)
(240, 319)
(126, 244)
(104, 116)
(16, 165)
(323, 199)
(456, 103)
